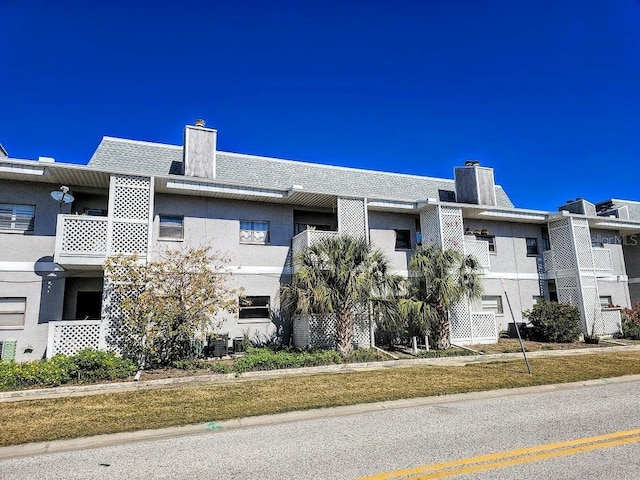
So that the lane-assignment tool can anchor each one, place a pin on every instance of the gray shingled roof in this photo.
(114, 154)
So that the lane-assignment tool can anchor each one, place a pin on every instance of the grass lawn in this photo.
(46, 420)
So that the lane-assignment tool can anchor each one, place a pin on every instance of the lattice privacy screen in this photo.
(611, 322)
(352, 217)
(319, 331)
(452, 228)
(86, 235)
(582, 240)
(562, 244)
(130, 202)
(430, 226)
(69, 337)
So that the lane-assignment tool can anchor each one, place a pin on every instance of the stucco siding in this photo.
(43, 292)
(382, 226)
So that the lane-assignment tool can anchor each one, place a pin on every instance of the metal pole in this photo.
(524, 353)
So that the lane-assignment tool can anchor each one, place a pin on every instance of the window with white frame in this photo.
(492, 303)
(171, 227)
(490, 239)
(252, 231)
(18, 218)
(254, 308)
(12, 312)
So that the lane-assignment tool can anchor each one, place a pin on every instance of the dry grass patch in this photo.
(46, 420)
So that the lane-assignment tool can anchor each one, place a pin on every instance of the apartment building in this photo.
(142, 197)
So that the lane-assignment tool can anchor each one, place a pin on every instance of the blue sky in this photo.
(546, 92)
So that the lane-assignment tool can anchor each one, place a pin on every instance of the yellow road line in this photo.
(528, 459)
(558, 447)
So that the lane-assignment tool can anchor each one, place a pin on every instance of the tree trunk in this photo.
(344, 332)
(441, 330)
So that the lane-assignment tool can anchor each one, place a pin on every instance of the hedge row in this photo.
(88, 366)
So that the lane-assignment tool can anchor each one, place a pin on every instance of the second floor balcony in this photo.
(307, 238)
(81, 240)
(602, 263)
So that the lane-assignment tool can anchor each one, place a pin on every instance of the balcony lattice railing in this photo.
(80, 236)
(308, 238)
(602, 263)
(602, 260)
(480, 250)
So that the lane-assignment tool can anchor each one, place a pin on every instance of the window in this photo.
(490, 239)
(403, 239)
(254, 232)
(606, 301)
(17, 217)
(95, 212)
(254, 307)
(12, 311)
(532, 246)
(171, 227)
(492, 303)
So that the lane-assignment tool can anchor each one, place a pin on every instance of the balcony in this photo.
(602, 263)
(81, 240)
(480, 250)
(308, 238)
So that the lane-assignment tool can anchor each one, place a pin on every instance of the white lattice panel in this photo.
(582, 240)
(602, 260)
(430, 227)
(322, 331)
(362, 332)
(69, 337)
(562, 244)
(452, 228)
(484, 327)
(591, 304)
(319, 331)
(479, 250)
(460, 321)
(611, 322)
(84, 235)
(352, 217)
(130, 238)
(308, 238)
(132, 181)
(131, 203)
(568, 291)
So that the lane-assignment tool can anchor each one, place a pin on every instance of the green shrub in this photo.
(220, 367)
(554, 322)
(95, 365)
(631, 322)
(85, 367)
(267, 359)
(362, 355)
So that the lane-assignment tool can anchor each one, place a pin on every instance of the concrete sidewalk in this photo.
(97, 389)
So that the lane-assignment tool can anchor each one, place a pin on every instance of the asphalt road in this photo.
(521, 436)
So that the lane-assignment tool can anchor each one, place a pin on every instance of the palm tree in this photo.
(341, 275)
(440, 279)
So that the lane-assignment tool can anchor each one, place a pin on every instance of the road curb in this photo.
(98, 441)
